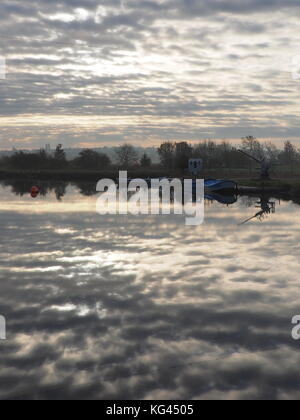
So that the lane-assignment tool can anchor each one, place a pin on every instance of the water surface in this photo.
(124, 307)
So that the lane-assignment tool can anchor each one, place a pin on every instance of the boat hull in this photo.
(220, 185)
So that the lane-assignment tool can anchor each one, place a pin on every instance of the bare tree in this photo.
(251, 145)
(167, 155)
(145, 162)
(183, 152)
(271, 151)
(127, 156)
(290, 155)
(90, 159)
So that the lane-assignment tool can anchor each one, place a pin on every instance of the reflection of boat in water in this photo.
(220, 185)
(267, 207)
(222, 199)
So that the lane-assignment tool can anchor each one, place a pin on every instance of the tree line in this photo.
(226, 155)
(173, 156)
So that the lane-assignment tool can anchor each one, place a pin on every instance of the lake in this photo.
(145, 307)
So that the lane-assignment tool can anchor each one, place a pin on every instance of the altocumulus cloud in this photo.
(96, 72)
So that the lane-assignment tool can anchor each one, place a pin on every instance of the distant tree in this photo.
(27, 161)
(59, 153)
(103, 160)
(18, 161)
(183, 152)
(224, 154)
(271, 151)
(59, 157)
(90, 159)
(289, 152)
(127, 156)
(252, 146)
(43, 154)
(207, 150)
(145, 162)
(289, 155)
(166, 153)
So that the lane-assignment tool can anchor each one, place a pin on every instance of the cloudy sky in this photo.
(95, 72)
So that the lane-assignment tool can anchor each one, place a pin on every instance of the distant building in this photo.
(195, 166)
(48, 149)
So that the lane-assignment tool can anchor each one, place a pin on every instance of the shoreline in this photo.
(285, 187)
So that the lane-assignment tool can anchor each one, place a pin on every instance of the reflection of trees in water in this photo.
(60, 190)
(296, 200)
(21, 187)
(87, 189)
(247, 201)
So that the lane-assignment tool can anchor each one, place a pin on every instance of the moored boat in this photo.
(211, 185)
(220, 185)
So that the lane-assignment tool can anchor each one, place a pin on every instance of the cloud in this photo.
(203, 66)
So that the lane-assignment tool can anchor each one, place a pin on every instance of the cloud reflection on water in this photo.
(135, 307)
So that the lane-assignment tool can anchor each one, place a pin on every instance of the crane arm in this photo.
(249, 156)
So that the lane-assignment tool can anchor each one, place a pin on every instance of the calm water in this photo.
(146, 307)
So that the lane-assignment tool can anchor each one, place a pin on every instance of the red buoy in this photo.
(34, 191)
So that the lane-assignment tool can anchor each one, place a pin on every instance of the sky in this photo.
(90, 73)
